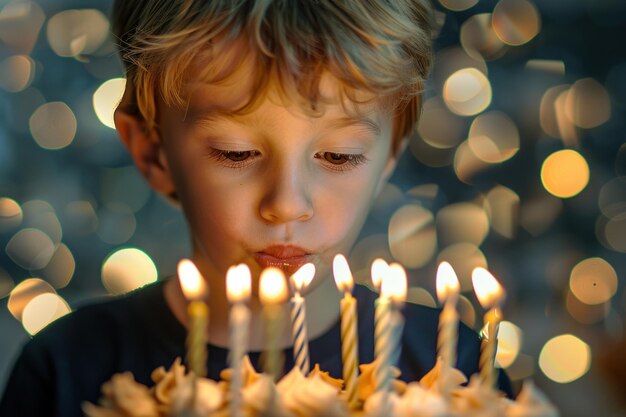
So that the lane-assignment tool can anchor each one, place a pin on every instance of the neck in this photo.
(322, 312)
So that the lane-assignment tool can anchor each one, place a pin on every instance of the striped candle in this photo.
(300, 279)
(490, 294)
(448, 294)
(349, 335)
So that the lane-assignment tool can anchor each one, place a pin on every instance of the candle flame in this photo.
(447, 282)
(191, 281)
(303, 276)
(238, 283)
(272, 286)
(394, 283)
(342, 274)
(488, 290)
(379, 270)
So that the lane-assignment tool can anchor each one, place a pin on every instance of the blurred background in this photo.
(518, 165)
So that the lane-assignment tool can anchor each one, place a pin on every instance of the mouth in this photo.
(287, 258)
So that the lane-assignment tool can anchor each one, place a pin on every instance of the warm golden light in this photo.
(553, 66)
(127, 269)
(24, 292)
(458, 5)
(588, 104)
(516, 22)
(462, 222)
(412, 235)
(43, 310)
(565, 358)
(16, 73)
(10, 214)
(439, 127)
(343, 276)
(479, 39)
(467, 312)
(466, 163)
(467, 92)
(272, 286)
(503, 208)
(463, 257)
(191, 281)
(447, 282)
(421, 296)
(72, 33)
(303, 277)
(488, 290)
(509, 344)
(238, 283)
(379, 270)
(30, 248)
(106, 98)
(493, 137)
(60, 270)
(593, 281)
(53, 125)
(565, 173)
(394, 283)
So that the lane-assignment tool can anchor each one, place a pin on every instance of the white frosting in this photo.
(209, 397)
(531, 402)
(478, 400)
(262, 399)
(381, 405)
(314, 397)
(418, 401)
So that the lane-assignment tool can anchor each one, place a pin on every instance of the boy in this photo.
(274, 124)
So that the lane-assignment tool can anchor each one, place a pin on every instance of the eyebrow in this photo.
(217, 113)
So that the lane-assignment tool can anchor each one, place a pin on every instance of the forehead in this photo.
(235, 80)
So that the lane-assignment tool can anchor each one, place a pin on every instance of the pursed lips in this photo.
(289, 258)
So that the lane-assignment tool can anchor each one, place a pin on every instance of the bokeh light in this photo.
(30, 248)
(116, 224)
(106, 98)
(593, 281)
(462, 222)
(493, 137)
(53, 125)
(551, 117)
(502, 205)
(421, 296)
(565, 358)
(458, 5)
(552, 66)
(21, 23)
(11, 214)
(467, 92)
(451, 60)
(588, 104)
(363, 254)
(24, 292)
(40, 215)
(565, 173)
(479, 39)
(6, 283)
(585, 313)
(537, 214)
(463, 257)
(467, 312)
(439, 127)
(412, 236)
(16, 73)
(60, 270)
(43, 310)
(612, 198)
(516, 22)
(509, 344)
(127, 269)
(73, 33)
(467, 164)
(615, 233)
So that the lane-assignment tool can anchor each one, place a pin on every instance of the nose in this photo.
(287, 197)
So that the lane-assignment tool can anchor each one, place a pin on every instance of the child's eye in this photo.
(233, 159)
(341, 161)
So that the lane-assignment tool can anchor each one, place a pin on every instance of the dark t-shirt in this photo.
(67, 362)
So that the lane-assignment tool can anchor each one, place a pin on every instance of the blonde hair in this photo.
(382, 47)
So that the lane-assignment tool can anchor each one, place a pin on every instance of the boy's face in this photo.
(273, 187)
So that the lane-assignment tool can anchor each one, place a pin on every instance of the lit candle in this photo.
(196, 290)
(378, 271)
(490, 295)
(273, 293)
(238, 292)
(448, 294)
(300, 280)
(349, 335)
(393, 290)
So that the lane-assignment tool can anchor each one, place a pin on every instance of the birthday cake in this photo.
(177, 393)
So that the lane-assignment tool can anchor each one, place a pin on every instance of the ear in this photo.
(390, 166)
(146, 150)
